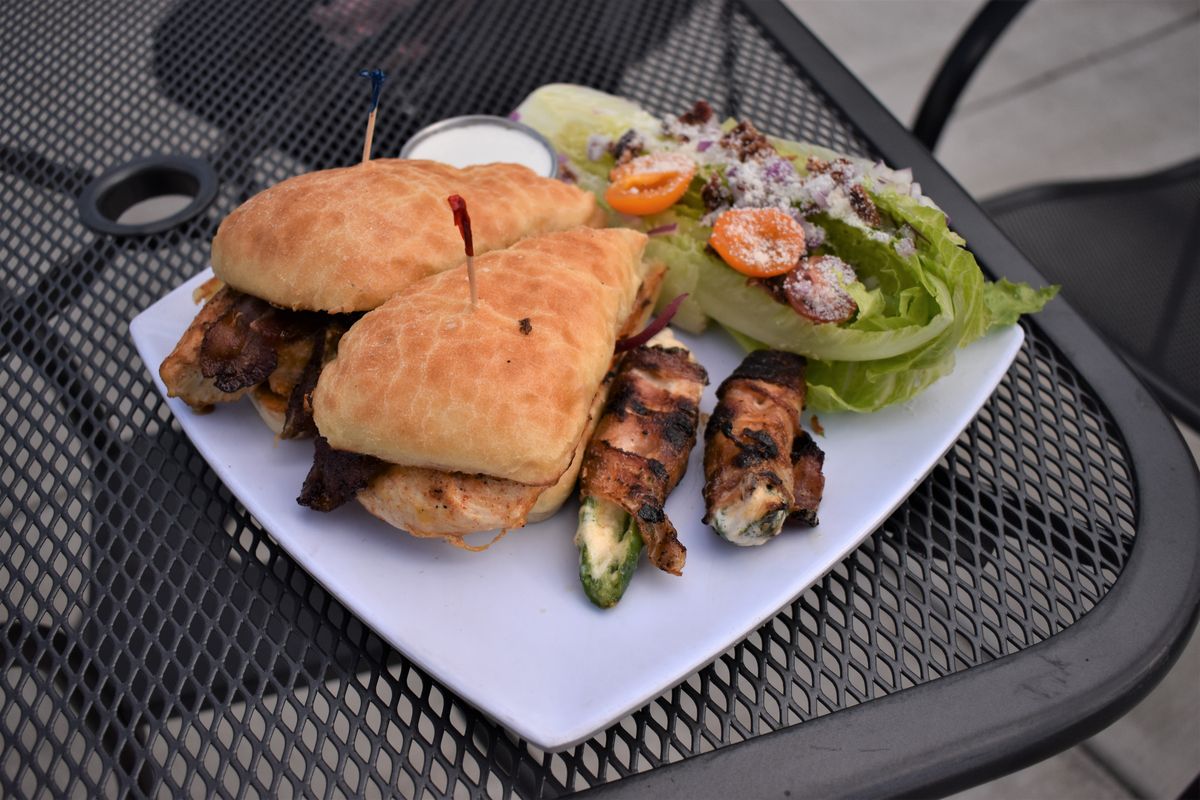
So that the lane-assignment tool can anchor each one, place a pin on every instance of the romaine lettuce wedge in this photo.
(921, 295)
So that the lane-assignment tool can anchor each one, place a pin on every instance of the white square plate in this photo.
(510, 629)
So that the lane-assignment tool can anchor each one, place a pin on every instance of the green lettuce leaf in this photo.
(1007, 301)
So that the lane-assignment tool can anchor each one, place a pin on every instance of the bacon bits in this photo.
(864, 207)
(699, 114)
(816, 289)
(746, 142)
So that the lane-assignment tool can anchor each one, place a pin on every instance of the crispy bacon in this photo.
(298, 420)
(180, 370)
(628, 147)
(754, 439)
(839, 169)
(240, 346)
(745, 140)
(700, 113)
(640, 449)
(809, 481)
(715, 193)
(233, 354)
(816, 165)
(238, 342)
(864, 207)
(337, 476)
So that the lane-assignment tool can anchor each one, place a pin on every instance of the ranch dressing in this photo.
(463, 141)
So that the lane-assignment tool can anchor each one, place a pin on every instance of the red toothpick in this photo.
(463, 220)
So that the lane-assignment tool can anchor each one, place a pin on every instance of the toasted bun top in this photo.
(425, 380)
(347, 239)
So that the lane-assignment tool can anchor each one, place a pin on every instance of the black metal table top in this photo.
(156, 641)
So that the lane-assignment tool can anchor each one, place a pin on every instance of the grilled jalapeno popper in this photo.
(760, 468)
(636, 457)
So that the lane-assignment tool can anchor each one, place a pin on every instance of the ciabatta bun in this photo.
(347, 239)
(502, 390)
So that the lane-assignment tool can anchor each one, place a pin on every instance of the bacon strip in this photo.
(180, 371)
(237, 342)
(298, 420)
(754, 439)
(232, 353)
(641, 446)
(809, 481)
(336, 476)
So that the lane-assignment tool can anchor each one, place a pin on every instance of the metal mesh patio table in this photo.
(156, 641)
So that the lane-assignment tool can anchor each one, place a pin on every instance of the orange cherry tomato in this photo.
(759, 242)
(649, 184)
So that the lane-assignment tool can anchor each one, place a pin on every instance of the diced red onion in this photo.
(703, 145)
(814, 235)
(663, 229)
(779, 170)
(656, 325)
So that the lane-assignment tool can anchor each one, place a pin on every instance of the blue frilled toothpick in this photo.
(377, 77)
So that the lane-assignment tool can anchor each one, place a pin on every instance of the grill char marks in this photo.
(336, 476)
(753, 441)
(641, 446)
(777, 367)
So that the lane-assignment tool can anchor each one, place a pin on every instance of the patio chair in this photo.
(1126, 251)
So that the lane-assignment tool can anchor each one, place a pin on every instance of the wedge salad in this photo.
(785, 244)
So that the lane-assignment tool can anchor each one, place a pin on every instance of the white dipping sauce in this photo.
(484, 143)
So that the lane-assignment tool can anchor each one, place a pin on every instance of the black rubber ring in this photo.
(106, 198)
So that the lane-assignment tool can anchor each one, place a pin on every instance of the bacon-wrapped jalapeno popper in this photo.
(760, 467)
(636, 457)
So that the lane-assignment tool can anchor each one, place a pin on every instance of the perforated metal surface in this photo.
(156, 640)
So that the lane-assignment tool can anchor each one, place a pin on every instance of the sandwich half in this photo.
(299, 262)
(446, 420)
